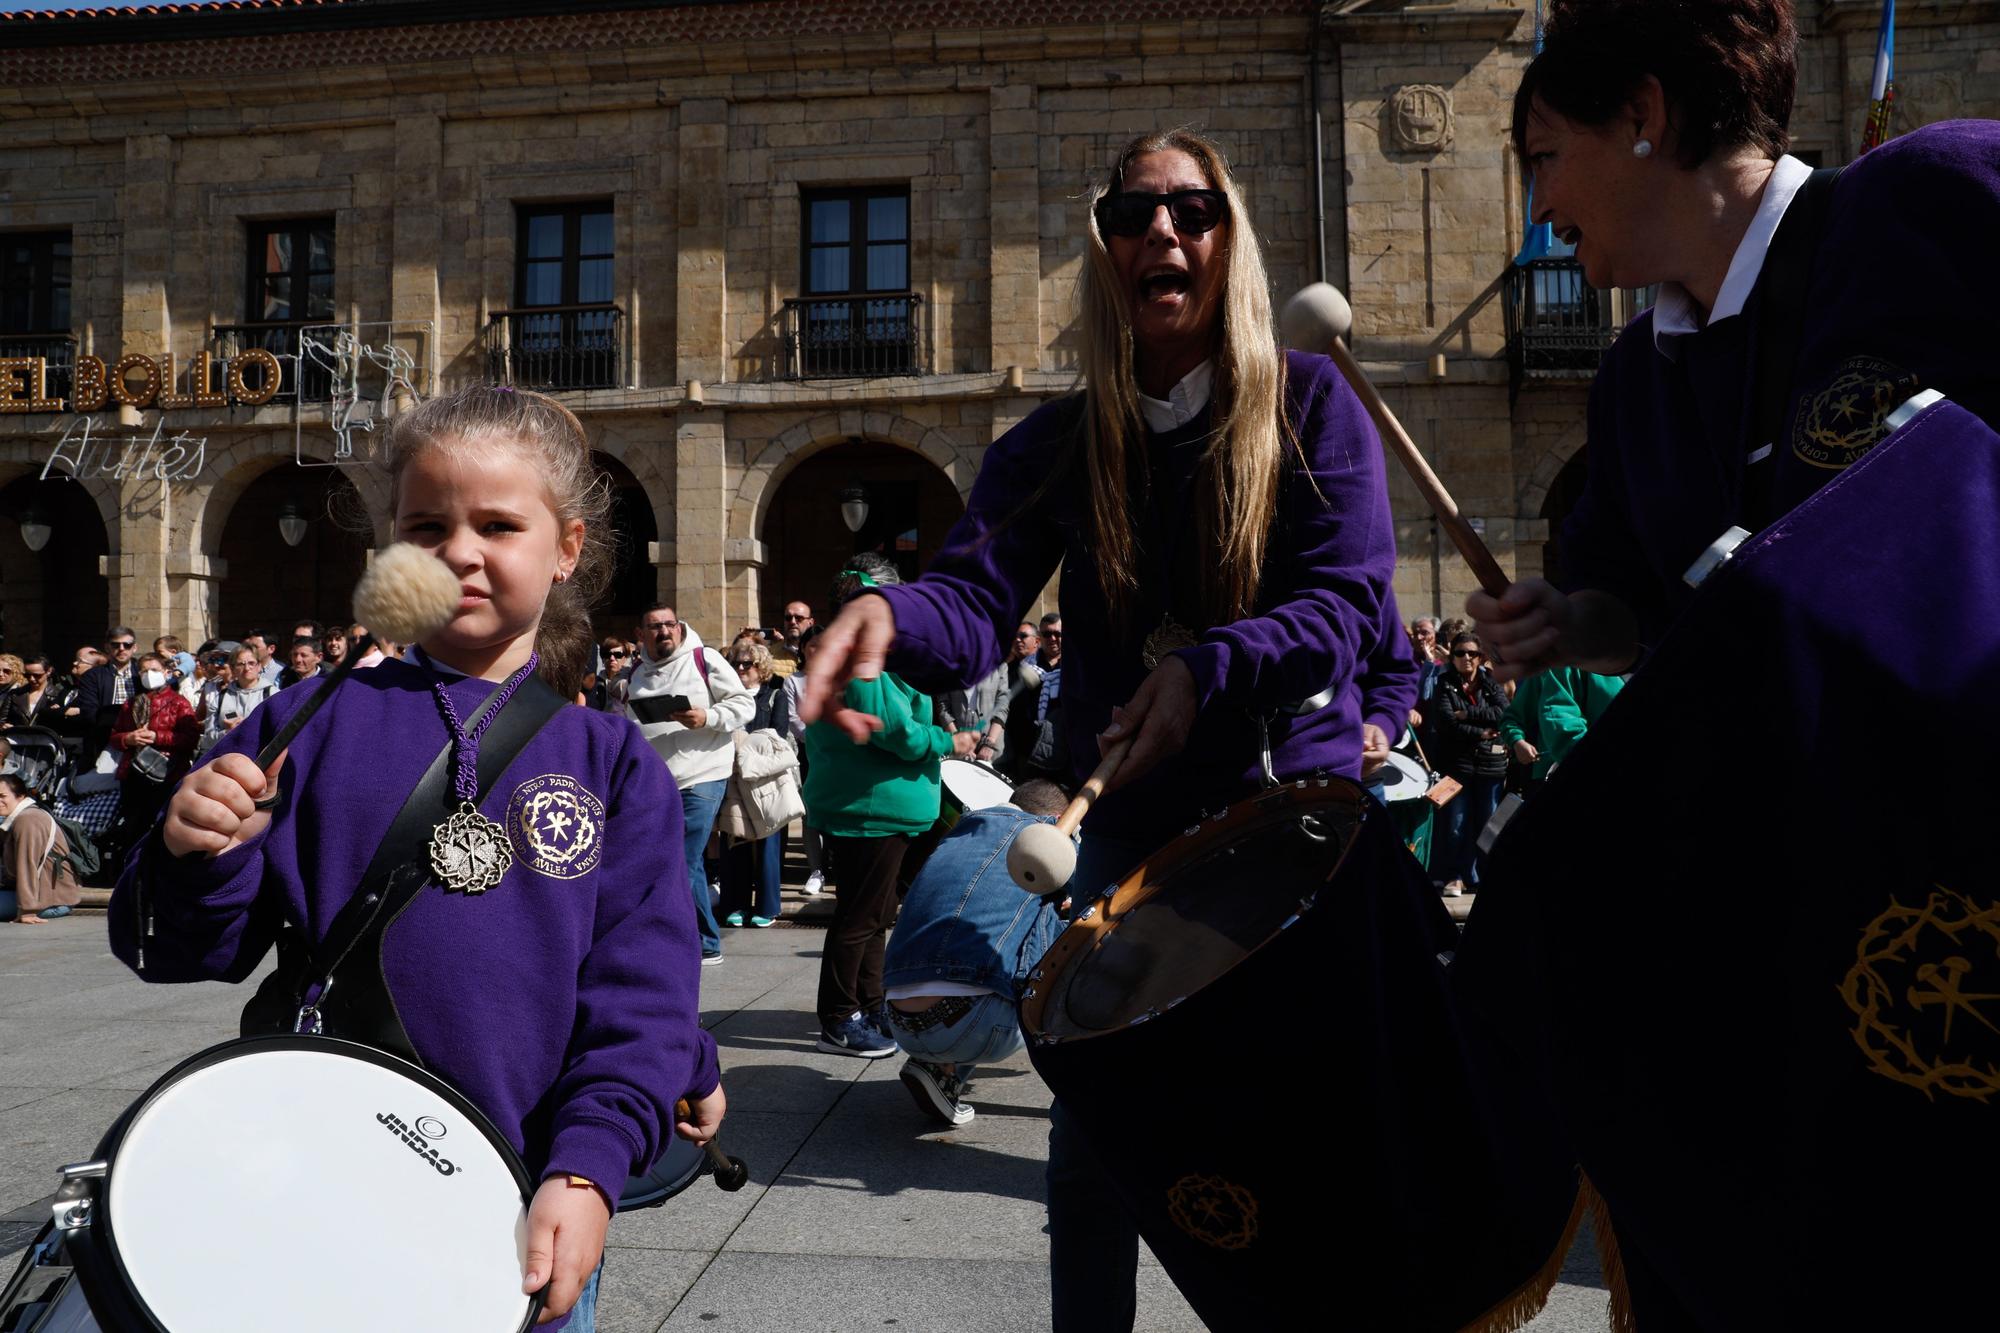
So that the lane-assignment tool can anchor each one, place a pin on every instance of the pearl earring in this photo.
(1643, 148)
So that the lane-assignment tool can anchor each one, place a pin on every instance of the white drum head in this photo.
(314, 1191)
(973, 785)
(1404, 779)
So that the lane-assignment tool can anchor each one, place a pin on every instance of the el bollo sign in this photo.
(139, 381)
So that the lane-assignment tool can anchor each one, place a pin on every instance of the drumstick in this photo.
(1319, 316)
(730, 1172)
(1043, 856)
(407, 594)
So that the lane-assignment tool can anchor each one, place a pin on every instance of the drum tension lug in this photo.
(72, 1207)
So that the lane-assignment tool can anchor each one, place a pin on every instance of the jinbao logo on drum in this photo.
(418, 1139)
(1848, 416)
(556, 826)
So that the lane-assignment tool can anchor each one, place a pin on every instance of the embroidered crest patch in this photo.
(556, 826)
(1925, 993)
(1844, 420)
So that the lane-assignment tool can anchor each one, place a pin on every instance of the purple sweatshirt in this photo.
(563, 1001)
(1317, 620)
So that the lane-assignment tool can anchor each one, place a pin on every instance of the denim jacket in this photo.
(964, 919)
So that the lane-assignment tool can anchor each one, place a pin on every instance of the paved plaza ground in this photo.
(860, 1214)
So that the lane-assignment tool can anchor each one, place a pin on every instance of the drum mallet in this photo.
(1043, 856)
(730, 1172)
(1317, 317)
(407, 594)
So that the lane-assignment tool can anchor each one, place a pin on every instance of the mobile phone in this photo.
(659, 707)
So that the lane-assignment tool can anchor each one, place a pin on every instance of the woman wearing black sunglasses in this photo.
(1219, 515)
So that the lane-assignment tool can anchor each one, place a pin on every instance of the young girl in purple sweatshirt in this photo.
(562, 1000)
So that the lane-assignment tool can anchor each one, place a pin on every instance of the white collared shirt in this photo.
(1675, 313)
(1183, 402)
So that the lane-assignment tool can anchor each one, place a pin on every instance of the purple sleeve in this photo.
(1389, 680)
(202, 927)
(951, 623)
(1322, 595)
(637, 1045)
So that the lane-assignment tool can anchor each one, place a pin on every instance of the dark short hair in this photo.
(1729, 69)
(256, 634)
(14, 783)
(810, 635)
(1052, 618)
(317, 628)
(308, 641)
(1039, 796)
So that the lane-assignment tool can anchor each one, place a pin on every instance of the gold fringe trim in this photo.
(1610, 1261)
(1514, 1310)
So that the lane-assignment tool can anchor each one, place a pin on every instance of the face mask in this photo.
(152, 680)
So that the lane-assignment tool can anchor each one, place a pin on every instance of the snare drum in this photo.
(1254, 1033)
(968, 785)
(301, 1182)
(1404, 791)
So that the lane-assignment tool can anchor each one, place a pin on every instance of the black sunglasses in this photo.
(1130, 213)
(1466, 652)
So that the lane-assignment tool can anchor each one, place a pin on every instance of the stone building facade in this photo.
(769, 251)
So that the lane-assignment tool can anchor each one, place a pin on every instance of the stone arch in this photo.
(61, 595)
(643, 459)
(242, 461)
(1534, 492)
(766, 470)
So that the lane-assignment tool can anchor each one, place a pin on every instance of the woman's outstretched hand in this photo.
(854, 647)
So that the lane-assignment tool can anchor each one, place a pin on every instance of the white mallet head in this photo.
(407, 595)
(1041, 859)
(1315, 316)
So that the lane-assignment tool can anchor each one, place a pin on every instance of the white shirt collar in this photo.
(1675, 312)
(1183, 402)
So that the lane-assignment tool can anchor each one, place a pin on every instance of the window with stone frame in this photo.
(855, 314)
(290, 272)
(563, 332)
(34, 282)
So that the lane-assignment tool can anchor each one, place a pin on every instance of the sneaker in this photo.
(815, 884)
(935, 1093)
(733, 919)
(762, 922)
(711, 959)
(853, 1035)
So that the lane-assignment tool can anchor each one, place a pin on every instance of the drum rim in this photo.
(103, 1228)
(1105, 909)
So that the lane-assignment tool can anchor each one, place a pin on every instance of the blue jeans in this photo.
(751, 869)
(699, 805)
(1093, 1242)
(989, 1032)
(583, 1315)
(1463, 817)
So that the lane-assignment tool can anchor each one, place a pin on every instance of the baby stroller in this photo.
(41, 760)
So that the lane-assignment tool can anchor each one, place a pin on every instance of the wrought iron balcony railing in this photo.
(57, 350)
(1558, 325)
(556, 347)
(302, 379)
(827, 337)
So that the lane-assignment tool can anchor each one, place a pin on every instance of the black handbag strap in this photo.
(1781, 321)
(351, 951)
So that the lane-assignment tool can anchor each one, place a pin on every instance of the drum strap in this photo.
(303, 989)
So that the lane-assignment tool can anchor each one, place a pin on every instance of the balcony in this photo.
(556, 347)
(307, 379)
(853, 336)
(1558, 325)
(58, 350)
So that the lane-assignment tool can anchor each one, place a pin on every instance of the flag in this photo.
(1747, 937)
(1882, 83)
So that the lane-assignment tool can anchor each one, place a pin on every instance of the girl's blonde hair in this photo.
(1236, 485)
(551, 439)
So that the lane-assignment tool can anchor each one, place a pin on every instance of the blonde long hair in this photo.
(1236, 485)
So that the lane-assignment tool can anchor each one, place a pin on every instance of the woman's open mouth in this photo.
(1169, 286)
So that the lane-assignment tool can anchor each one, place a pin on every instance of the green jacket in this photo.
(1552, 710)
(889, 785)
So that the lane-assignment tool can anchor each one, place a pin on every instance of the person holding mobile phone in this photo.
(686, 700)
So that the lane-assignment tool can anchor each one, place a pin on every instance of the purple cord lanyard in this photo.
(469, 852)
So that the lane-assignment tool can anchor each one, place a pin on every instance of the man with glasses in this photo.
(686, 701)
(246, 689)
(104, 689)
(1050, 657)
(798, 618)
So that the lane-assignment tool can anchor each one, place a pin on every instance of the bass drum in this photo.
(301, 1182)
(1278, 973)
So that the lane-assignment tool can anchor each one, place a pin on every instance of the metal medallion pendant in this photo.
(1170, 637)
(469, 852)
